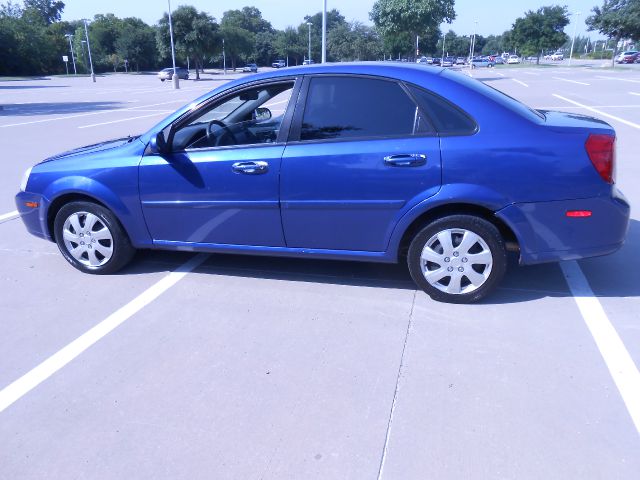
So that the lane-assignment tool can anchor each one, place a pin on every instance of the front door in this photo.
(363, 152)
(220, 183)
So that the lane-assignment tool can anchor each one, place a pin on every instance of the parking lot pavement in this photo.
(279, 368)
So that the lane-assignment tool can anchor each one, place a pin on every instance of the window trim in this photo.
(301, 104)
(197, 110)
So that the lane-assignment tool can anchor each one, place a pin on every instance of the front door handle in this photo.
(406, 160)
(250, 168)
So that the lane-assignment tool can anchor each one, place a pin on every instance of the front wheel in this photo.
(91, 239)
(457, 259)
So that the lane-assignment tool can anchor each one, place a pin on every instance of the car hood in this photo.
(96, 147)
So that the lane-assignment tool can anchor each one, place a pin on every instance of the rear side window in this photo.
(348, 107)
(447, 118)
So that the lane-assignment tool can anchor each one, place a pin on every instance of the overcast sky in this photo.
(493, 16)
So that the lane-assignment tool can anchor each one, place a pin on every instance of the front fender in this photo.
(128, 212)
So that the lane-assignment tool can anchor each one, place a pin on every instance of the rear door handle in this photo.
(406, 160)
(250, 168)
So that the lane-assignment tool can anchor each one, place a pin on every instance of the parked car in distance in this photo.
(448, 61)
(422, 60)
(167, 73)
(279, 64)
(482, 62)
(627, 57)
(436, 61)
(250, 68)
(421, 176)
(556, 56)
(513, 59)
(460, 61)
(498, 60)
(311, 62)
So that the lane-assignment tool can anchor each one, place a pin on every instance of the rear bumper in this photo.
(34, 218)
(546, 234)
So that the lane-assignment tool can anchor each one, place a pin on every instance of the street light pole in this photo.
(473, 42)
(444, 38)
(224, 59)
(324, 32)
(86, 32)
(573, 40)
(309, 57)
(73, 58)
(174, 77)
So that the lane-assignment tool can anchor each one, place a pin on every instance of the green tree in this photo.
(290, 45)
(406, 19)
(617, 19)
(136, 43)
(541, 30)
(353, 41)
(249, 18)
(103, 33)
(48, 10)
(194, 34)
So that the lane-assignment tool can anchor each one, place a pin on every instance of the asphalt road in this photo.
(239, 367)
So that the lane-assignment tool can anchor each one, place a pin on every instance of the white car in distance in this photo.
(513, 59)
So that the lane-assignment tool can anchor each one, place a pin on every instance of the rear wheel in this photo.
(457, 259)
(91, 239)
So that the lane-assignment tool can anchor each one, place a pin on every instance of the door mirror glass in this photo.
(261, 114)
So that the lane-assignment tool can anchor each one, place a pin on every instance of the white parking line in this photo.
(571, 81)
(30, 380)
(532, 73)
(621, 79)
(599, 112)
(501, 74)
(91, 113)
(125, 119)
(634, 93)
(620, 364)
(518, 81)
(9, 216)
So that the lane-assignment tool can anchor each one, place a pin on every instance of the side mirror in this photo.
(261, 114)
(158, 144)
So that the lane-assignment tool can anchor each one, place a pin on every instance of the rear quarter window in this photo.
(446, 117)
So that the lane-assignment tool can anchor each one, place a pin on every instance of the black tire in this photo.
(162, 79)
(455, 225)
(119, 245)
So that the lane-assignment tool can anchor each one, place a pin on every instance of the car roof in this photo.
(385, 69)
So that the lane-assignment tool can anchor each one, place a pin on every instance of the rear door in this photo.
(359, 154)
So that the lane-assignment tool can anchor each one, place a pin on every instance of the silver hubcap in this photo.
(456, 261)
(87, 239)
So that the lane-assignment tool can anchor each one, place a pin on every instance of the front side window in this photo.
(252, 116)
(349, 107)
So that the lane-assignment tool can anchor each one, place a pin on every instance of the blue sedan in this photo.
(372, 162)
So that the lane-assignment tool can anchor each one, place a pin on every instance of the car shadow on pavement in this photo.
(520, 284)
(24, 87)
(29, 109)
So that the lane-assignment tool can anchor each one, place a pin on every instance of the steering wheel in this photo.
(225, 129)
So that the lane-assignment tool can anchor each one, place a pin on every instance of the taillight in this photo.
(602, 153)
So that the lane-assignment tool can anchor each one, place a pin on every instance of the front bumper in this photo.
(34, 218)
(546, 234)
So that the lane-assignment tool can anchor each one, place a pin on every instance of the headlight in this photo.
(25, 180)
